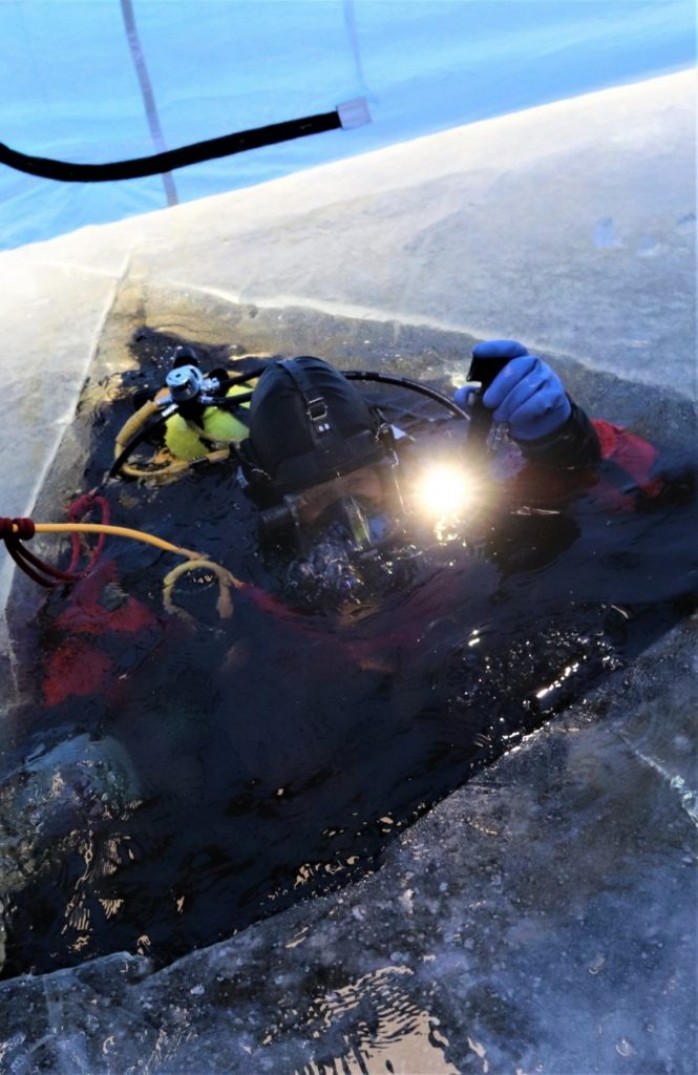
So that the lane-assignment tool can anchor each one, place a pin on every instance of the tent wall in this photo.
(107, 80)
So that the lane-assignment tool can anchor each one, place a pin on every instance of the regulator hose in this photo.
(154, 413)
(407, 382)
(133, 432)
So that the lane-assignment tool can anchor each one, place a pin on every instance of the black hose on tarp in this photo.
(158, 163)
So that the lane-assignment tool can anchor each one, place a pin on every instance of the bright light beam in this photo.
(445, 490)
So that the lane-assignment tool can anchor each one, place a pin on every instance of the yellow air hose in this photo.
(117, 531)
(167, 468)
(195, 560)
(171, 469)
(176, 464)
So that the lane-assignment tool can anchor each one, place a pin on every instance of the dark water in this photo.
(269, 757)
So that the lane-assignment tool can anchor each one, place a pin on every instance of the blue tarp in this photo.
(76, 76)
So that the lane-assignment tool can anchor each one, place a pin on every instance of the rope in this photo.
(116, 531)
(14, 531)
(77, 511)
(173, 468)
(133, 425)
(226, 580)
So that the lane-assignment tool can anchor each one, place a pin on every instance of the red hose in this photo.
(77, 511)
(13, 532)
(16, 531)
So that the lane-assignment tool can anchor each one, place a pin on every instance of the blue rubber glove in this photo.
(489, 358)
(526, 394)
(529, 397)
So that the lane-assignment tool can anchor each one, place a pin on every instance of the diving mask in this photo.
(354, 507)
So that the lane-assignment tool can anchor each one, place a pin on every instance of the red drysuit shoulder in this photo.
(631, 453)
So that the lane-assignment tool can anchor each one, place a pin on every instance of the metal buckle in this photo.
(316, 409)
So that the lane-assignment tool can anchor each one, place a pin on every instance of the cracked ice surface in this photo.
(543, 918)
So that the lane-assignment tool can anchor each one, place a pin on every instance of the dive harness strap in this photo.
(332, 454)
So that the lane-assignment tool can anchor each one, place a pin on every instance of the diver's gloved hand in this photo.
(489, 358)
(529, 397)
(526, 394)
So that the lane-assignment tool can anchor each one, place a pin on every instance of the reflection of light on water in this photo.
(689, 799)
(111, 906)
(378, 1022)
(77, 920)
(298, 939)
(566, 672)
(479, 1049)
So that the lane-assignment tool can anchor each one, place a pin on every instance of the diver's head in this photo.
(308, 425)
(315, 446)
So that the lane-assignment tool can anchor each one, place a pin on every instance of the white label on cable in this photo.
(354, 113)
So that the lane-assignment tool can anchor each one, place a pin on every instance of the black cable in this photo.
(230, 403)
(159, 163)
(407, 382)
(138, 438)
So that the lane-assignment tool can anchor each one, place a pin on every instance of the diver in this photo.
(401, 534)
(358, 481)
(339, 478)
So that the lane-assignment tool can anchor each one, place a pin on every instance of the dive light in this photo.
(482, 372)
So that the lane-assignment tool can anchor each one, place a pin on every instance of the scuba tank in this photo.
(202, 420)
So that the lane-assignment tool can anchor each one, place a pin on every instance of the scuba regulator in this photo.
(199, 417)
